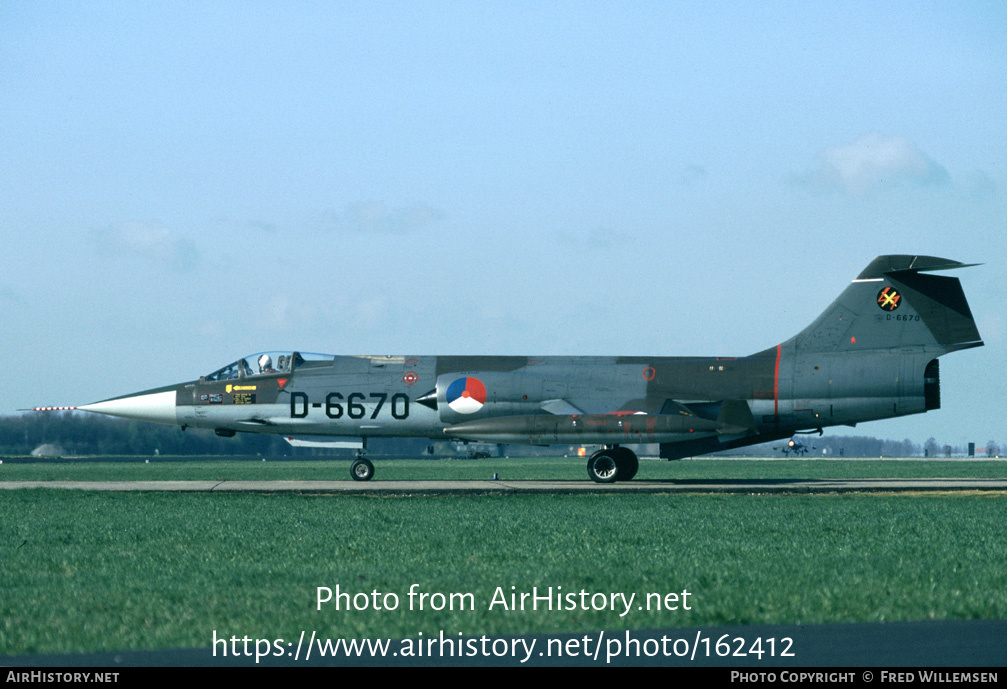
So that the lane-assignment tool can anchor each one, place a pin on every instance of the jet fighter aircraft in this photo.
(872, 354)
(796, 446)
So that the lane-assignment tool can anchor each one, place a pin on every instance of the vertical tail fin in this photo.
(892, 305)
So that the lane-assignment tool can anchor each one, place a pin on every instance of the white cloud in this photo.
(372, 311)
(283, 313)
(151, 241)
(286, 313)
(595, 238)
(9, 294)
(375, 217)
(692, 173)
(873, 162)
(981, 186)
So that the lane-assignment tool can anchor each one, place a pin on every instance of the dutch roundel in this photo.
(466, 395)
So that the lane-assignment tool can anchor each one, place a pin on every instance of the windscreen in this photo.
(266, 363)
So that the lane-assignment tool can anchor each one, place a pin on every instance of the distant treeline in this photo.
(846, 446)
(866, 446)
(70, 434)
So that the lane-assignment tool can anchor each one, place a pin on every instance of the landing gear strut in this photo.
(611, 464)
(362, 469)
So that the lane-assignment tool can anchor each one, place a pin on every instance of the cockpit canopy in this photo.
(265, 363)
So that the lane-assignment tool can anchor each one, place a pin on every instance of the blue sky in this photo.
(183, 184)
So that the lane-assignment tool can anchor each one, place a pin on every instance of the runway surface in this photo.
(873, 485)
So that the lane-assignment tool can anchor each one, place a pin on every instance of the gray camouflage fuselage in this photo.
(871, 355)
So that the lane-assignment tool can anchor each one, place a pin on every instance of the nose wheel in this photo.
(612, 464)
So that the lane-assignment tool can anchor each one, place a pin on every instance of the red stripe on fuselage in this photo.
(776, 382)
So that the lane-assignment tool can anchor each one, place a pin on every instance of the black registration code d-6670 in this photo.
(352, 405)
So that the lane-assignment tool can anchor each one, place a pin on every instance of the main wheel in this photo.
(602, 467)
(362, 470)
(626, 462)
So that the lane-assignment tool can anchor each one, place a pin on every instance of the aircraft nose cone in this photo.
(158, 407)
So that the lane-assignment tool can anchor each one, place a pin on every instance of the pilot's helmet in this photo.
(265, 363)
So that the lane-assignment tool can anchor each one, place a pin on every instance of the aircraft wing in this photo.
(560, 408)
(325, 441)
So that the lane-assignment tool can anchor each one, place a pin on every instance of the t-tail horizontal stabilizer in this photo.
(893, 305)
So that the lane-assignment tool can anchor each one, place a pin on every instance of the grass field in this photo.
(88, 571)
(553, 468)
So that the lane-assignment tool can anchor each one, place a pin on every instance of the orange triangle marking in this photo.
(282, 381)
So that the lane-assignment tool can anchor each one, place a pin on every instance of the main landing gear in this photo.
(362, 469)
(611, 464)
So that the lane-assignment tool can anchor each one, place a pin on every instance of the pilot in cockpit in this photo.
(266, 364)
